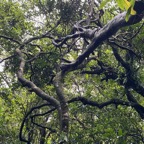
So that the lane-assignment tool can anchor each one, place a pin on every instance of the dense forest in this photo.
(71, 72)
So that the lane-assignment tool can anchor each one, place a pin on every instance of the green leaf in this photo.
(128, 15)
(120, 4)
(87, 76)
(133, 12)
(120, 132)
(127, 4)
(103, 3)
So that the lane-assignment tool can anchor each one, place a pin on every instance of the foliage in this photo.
(71, 71)
(123, 5)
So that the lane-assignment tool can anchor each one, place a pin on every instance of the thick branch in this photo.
(31, 85)
(63, 103)
(104, 33)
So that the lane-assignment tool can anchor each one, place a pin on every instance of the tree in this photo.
(79, 67)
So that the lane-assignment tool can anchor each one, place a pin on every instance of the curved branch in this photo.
(119, 59)
(24, 120)
(9, 57)
(11, 39)
(45, 127)
(36, 38)
(42, 114)
(63, 40)
(104, 33)
(137, 32)
(31, 85)
(125, 48)
(85, 101)
(132, 82)
(86, 33)
(139, 108)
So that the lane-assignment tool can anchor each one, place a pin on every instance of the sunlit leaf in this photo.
(103, 3)
(121, 4)
(127, 4)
